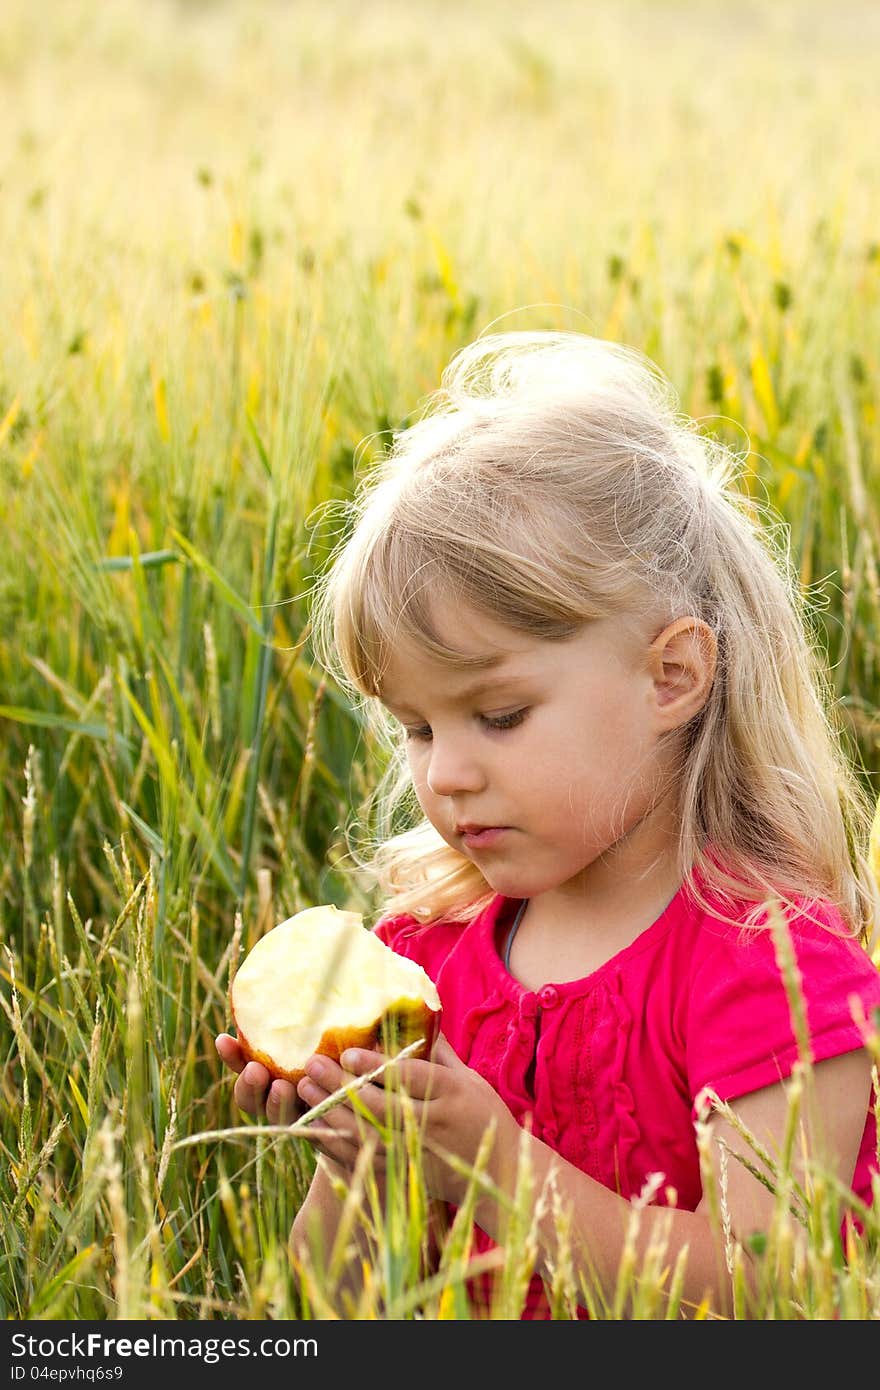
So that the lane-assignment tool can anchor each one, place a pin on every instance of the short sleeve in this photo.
(428, 944)
(396, 931)
(740, 1034)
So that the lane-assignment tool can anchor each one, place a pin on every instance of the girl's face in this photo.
(551, 763)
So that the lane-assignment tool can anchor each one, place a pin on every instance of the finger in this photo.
(340, 1117)
(340, 1141)
(310, 1094)
(342, 1156)
(444, 1053)
(251, 1087)
(345, 1155)
(322, 1079)
(417, 1078)
(230, 1052)
(345, 1160)
(323, 1071)
(282, 1103)
(333, 1077)
(347, 1118)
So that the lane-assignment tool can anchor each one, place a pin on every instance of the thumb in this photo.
(444, 1053)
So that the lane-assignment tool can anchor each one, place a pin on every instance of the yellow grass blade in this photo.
(9, 418)
(160, 405)
(762, 385)
(874, 844)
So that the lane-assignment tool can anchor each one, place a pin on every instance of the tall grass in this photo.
(240, 242)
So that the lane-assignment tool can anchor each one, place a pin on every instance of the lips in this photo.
(480, 836)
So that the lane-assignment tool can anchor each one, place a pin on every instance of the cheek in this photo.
(603, 752)
(417, 763)
(418, 770)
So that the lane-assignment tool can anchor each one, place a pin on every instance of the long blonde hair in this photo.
(553, 480)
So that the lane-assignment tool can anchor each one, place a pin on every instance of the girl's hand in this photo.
(452, 1107)
(278, 1103)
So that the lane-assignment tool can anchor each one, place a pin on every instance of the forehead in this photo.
(474, 641)
(477, 651)
(491, 652)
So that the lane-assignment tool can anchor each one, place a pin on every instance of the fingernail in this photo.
(350, 1059)
(316, 1070)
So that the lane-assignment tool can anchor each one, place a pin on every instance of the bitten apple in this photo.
(321, 982)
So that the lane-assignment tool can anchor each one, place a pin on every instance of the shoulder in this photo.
(805, 937)
(402, 932)
(756, 993)
(429, 943)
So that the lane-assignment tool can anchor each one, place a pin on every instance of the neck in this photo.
(625, 888)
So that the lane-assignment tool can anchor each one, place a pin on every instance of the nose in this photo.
(453, 767)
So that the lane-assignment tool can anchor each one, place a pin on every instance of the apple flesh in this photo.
(321, 982)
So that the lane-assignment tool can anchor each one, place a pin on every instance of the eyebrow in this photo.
(477, 688)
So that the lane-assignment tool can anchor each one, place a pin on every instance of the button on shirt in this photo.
(548, 997)
(607, 1069)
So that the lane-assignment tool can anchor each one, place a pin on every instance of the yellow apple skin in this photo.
(396, 1029)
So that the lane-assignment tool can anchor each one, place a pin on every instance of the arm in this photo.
(316, 1230)
(831, 1124)
(601, 1219)
(455, 1105)
(323, 1213)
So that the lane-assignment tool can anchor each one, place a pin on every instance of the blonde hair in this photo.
(551, 481)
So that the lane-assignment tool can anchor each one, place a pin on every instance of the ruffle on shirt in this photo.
(493, 1041)
(628, 1132)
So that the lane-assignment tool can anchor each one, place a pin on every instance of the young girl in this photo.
(592, 672)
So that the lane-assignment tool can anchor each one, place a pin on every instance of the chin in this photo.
(519, 883)
(513, 885)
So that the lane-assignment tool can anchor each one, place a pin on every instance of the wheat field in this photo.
(240, 242)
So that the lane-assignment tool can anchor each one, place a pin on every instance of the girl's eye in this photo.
(505, 721)
(498, 721)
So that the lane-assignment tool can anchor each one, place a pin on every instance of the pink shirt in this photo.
(609, 1066)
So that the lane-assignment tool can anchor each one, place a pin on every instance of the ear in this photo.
(681, 662)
